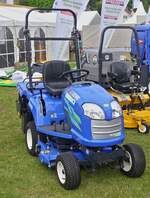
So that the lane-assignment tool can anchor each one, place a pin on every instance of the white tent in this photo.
(139, 16)
(12, 21)
(140, 10)
(148, 16)
(90, 36)
(88, 18)
(17, 16)
(89, 25)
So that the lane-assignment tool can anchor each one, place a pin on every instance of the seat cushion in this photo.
(124, 87)
(52, 71)
(122, 71)
(56, 88)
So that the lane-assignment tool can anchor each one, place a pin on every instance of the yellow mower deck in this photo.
(126, 99)
(134, 118)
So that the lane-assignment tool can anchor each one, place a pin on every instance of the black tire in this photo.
(71, 170)
(24, 122)
(25, 118)
(31, 134)
(144, 129)
(135, 159)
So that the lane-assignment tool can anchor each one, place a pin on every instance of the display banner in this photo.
(9, 1)
(64, 23)
(112, 14)
(148, 16)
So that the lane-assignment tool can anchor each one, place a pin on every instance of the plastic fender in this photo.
(33, 110)
(22, 90)
(79, 155)
(53, 107)
(36, 108)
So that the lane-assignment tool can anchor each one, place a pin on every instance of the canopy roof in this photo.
(11, 15)
(140, 10)
(88, 18)
(138, 17)
(16, 16)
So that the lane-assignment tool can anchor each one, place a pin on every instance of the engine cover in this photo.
(81, 125)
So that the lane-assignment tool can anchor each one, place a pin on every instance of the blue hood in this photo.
(91, 94)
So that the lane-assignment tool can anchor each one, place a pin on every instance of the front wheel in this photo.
(68, 171)
(25, 119)
(143, 128)
(134, 163)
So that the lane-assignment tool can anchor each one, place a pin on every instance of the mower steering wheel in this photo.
(74, 75)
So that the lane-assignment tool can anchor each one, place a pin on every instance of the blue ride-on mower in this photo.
(70, 122)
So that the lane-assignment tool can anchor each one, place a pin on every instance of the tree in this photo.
(37, 3)
(93, 4)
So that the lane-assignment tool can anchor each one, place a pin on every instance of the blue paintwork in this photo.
(144, 38)
(70, 104)
(54, 107)
(93, 94)
(48, 153)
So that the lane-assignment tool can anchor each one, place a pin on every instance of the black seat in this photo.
(120, 76)
(51, 72)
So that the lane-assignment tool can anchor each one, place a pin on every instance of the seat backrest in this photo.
(53, 69)
(122, 70)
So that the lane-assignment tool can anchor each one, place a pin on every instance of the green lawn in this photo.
(22, 176)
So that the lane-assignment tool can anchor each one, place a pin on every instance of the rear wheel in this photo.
(24, 122)
(133, 164)
(31, 137)
(25, 118)
(68, 171)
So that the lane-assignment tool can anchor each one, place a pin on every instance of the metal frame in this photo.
(74, 37)
(5, 56)
(100, 62)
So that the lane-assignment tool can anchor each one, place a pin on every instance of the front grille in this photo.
(103, 129)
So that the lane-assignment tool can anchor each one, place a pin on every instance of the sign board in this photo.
(64, 23)
(112, 14)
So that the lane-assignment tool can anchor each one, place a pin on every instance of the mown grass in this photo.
(22, 176)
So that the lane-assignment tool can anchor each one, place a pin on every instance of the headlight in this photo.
(93, 111)
(116, 109)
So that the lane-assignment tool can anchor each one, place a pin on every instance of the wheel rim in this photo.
(29, 139)
(142, 129)
(149, 88)
(127, 165)
(61, 172)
